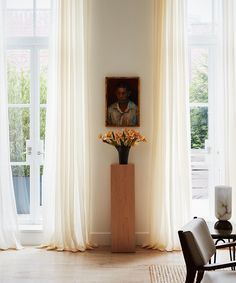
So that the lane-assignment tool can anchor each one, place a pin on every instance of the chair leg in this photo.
(191, 273)
(199, 276)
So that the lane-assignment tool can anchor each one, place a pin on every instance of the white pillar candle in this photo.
(223, 202)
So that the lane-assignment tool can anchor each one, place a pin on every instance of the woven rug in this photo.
(167, 273)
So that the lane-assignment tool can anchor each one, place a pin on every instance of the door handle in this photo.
(28, 150)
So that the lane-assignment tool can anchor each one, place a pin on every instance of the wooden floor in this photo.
(32, 265)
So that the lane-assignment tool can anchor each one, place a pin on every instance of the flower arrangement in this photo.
(126, 138)
(122, 141)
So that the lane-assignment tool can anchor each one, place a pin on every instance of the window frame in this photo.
(205, 207)
(34, 44)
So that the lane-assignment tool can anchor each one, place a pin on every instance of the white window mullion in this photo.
(34, 17)
(18, 105)
(195, 105)
(33, 140)
(212, 122)
(37, 135)
(26, 42)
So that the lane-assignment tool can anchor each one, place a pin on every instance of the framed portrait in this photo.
(122, 102)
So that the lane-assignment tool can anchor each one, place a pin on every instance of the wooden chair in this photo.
(198, 247)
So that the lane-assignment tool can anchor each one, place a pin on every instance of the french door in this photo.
(204, 152)
(27, 97)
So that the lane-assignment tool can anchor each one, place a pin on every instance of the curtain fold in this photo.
(171, 174)
(9, 236)
(228, 75)
(66, 178)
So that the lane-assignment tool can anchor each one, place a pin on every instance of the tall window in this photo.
(28, 24)
(202, 72)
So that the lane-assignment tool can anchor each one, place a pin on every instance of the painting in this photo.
(122, 102)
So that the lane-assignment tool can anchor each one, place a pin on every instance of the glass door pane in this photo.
(199, 156)
(22, 4)
(43, 75)
(199, 117)
(18, 75)
(20, 22)
(198, 75)
(19, 132)
(200, 17)
(21, 182)
(199, 127)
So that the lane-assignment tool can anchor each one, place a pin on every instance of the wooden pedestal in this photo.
(122, 208)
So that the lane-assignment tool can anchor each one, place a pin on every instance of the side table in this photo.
(223, 235)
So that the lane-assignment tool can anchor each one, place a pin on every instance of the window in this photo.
(202, 95)
(199, 120)
(27, 65)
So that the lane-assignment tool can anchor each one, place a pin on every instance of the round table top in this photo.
(222, 234)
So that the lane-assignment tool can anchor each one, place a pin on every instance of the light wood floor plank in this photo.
(32, 265)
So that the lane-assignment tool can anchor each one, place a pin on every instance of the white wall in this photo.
(119, 45)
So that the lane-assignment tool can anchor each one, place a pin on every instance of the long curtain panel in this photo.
(171, 175)
(66, 177)
(228, 78)
(9, 235)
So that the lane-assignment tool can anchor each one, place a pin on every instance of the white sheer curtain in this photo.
(228, 77)
(66, 179)
(171, 177)
(9, 237)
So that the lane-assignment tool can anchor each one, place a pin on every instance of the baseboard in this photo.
(104, 238)
(35, 237)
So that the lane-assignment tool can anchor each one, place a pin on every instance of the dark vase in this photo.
(123, 152)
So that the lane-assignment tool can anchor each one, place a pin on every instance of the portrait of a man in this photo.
(122, 102)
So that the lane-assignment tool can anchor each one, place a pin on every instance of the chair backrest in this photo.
(197, 244)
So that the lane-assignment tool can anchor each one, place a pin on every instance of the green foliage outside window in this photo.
(199, 83)
(199, 127)
(19, 118)
(199, 115)
(43, 100)
(43, 84)
(18, 85)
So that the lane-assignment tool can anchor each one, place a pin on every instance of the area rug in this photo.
(167, 273)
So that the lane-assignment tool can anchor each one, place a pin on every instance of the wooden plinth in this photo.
(122, 208)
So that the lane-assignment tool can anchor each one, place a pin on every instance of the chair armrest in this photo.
(214, 266)
(226, 245)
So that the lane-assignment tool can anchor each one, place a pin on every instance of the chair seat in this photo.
(219, 277)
